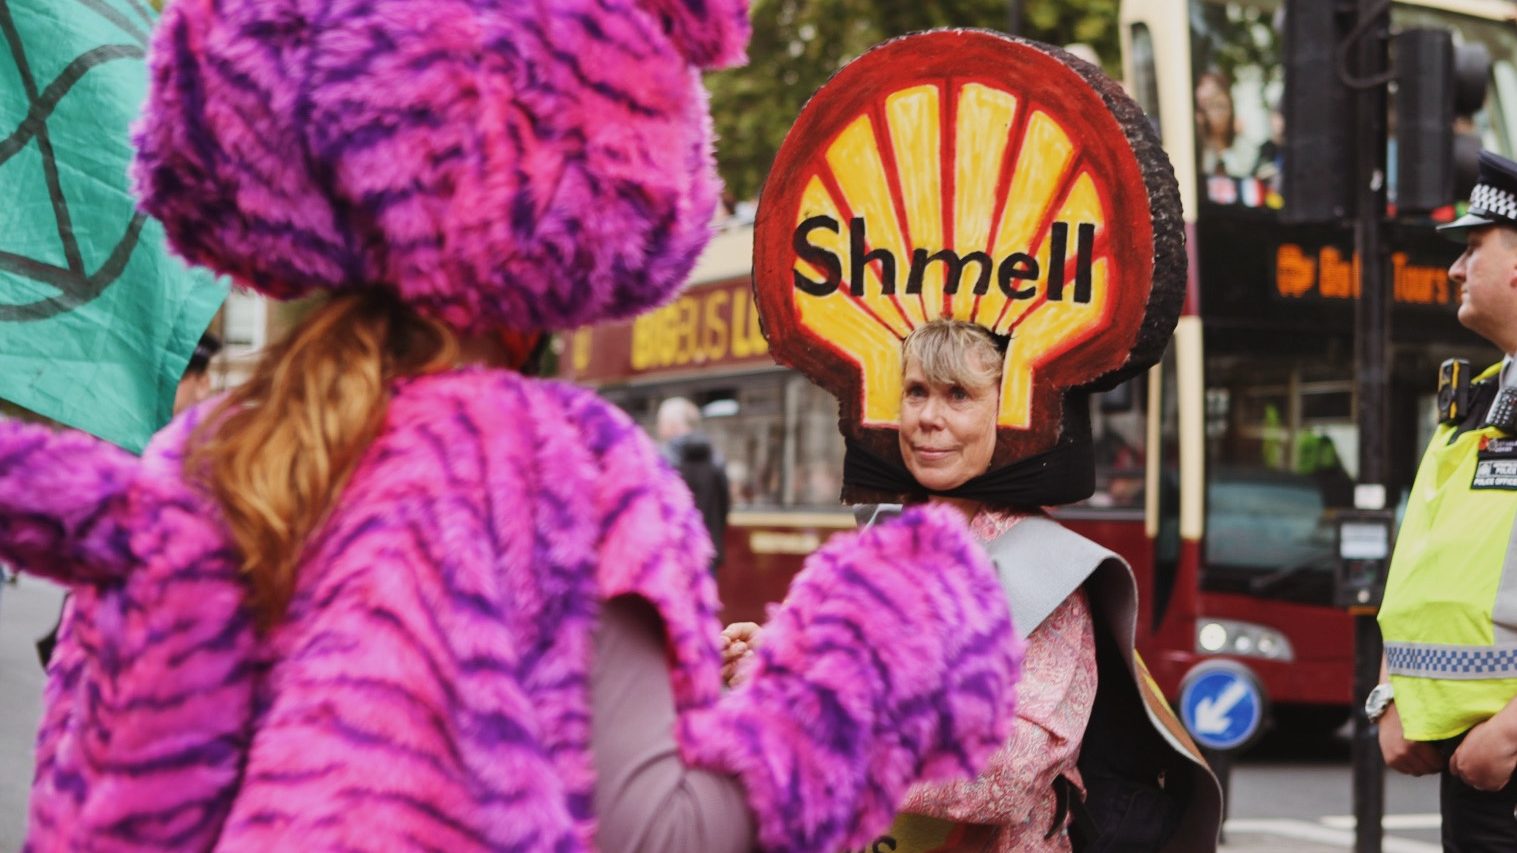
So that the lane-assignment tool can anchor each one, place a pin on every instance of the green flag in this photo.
(97, 320)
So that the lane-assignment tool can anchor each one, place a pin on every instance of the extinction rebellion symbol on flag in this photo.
(33, 145)
(97, 320)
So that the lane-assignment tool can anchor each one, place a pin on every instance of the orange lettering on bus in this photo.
(1419, 285)
(1295, 272)
(1340, 277)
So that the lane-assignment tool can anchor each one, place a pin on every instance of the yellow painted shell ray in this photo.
(867, 329)
(1047, 329)
(985, 120)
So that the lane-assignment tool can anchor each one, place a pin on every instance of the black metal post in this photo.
(1014, 17)
(1371, 345)
(1222, 765)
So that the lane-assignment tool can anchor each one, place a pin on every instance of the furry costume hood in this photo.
(528, 164)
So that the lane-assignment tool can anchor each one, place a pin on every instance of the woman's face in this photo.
(1214, 108)
(948, 432)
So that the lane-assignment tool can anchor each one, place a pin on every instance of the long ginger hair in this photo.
(277, 452)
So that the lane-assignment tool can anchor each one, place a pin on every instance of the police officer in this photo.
(1447, 702)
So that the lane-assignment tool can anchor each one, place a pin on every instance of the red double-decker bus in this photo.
(1220, 471)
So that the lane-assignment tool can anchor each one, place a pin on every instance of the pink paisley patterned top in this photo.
(1054, 700)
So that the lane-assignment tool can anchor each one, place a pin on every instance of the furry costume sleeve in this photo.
(62, 500)
(891, 660)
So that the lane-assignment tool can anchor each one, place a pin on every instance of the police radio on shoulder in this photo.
(1503, 414)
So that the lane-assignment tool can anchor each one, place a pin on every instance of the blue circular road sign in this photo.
(1221, 705)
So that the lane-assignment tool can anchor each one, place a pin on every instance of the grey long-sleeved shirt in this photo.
(646, 799)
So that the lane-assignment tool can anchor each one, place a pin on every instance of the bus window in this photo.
(816, 473)
(1166, 459)
(1237, 86)
(1283, 445)
(751, 439)
(1238, 83)
(1145, 85)
(1118, 427)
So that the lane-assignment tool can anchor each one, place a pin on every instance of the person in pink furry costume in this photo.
(367, 600)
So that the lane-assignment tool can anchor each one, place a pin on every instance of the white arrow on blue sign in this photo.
(1221, 705)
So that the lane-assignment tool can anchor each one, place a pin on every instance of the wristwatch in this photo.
(1379, 699)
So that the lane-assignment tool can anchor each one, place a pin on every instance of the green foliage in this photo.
(798, 44)
(1226, 38)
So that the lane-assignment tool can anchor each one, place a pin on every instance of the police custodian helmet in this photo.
(1493, 201)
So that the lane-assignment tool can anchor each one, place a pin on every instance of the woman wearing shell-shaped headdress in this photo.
(962, 236)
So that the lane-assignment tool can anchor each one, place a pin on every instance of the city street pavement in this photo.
(1294, 794)
(1288, 795)
(28, 610)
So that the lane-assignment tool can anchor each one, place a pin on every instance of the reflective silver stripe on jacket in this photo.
(1455, 663)
(1504, 609)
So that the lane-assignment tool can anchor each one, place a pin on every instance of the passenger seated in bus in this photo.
(1271, 162)
(1119, 468)
(1038, 782)
(1222, 151)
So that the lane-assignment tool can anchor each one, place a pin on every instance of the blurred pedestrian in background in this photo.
(195, 385)
(699, 464)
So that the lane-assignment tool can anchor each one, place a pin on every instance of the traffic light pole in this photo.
(1369, 60)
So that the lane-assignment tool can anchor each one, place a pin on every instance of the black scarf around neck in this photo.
(1066, 474)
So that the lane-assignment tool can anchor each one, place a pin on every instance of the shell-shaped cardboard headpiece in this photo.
(966, 174)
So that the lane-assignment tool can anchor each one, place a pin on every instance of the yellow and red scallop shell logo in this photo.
(966, 174)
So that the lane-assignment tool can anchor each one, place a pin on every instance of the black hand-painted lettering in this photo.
(857, 244)
(818, 257)
(1086, 242)
(1058, 237)
(1018, 266)
(954, 272)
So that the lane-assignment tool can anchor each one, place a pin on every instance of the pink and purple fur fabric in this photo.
(531, 164)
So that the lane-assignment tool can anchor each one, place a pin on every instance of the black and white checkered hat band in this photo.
(1488, 200)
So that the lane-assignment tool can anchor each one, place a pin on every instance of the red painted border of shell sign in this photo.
(968, 174)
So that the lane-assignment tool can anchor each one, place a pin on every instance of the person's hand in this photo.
(1486, 757)
(738, 642)
(1412, 757)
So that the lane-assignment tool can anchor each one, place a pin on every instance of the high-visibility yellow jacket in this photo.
(1449, 617)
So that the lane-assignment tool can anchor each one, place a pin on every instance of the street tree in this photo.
(798, 44)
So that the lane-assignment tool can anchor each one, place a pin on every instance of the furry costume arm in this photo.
(892, 660)
(62, 496)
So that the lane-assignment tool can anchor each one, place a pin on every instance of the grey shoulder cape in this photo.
(1040, 562)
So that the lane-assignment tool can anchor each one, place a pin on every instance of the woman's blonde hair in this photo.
(953, 352)
(277, 452)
